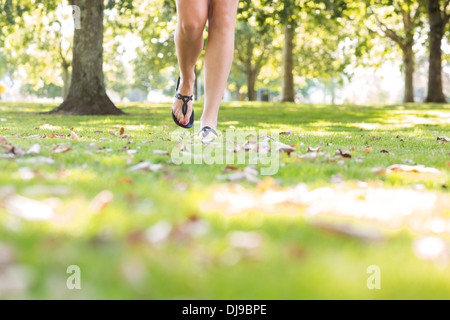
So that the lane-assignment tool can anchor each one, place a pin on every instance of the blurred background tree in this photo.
(295, 48)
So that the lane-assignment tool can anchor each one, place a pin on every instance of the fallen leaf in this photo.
(28, 209)
(431, 248)
(34, 150)
(61, 148)
(248, 240)
(15, 280)
(379, 171)
(37, 160)
(407, 168)
(6, 255)
(144, 166)
(266, 184)
(229, 168)
(337, 178)
(158, 232)
(310, 149)
(363, 233)
(101, 201)
(248, 173)
(287, 133)
(368, 150)
(281, 147)
(344, 154)
(74, 136)
(161, 152)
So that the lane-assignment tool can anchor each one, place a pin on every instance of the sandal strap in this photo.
(206, 130)
(185, 100)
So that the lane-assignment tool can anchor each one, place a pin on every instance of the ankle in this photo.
(212, 123)
(187, 85)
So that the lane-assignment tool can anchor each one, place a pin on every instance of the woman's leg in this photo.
(218, 56)
(192, 17)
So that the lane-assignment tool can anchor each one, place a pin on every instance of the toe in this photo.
(177, 113)
(187, 118)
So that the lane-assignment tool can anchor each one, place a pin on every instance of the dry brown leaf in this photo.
(61, 148)
(368, 150)
(344, 154)
(311, 149)
(229, 168)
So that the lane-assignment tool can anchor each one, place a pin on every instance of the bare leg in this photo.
(192, 17)
(218, 56)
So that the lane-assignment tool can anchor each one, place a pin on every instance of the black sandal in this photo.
(206, 131)
(185, 100)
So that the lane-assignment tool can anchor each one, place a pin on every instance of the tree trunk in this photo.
(408, 65)
(437, 27)
(251, 82)
(238, 92)
(288, 94)
(65, 89)
(87, 93)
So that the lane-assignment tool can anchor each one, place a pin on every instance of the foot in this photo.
(207, 134)
(209, 121)
(186, 88)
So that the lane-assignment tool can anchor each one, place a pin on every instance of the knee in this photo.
(223, 23)
(222, 18)
(191, 29)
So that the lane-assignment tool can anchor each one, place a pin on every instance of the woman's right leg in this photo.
(192, 17)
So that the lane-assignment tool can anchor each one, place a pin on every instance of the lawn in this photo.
(198, 231)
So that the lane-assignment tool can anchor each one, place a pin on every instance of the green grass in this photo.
(294, 259)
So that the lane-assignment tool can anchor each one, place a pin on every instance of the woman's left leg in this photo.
(218, 56)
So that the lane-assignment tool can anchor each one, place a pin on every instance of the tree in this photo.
(438, 16)
(328, 48)
(252, 50)
(156, 58)
(87, 93)
(11, 19)
(44, 53)
(285, 13)
(389, 16)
